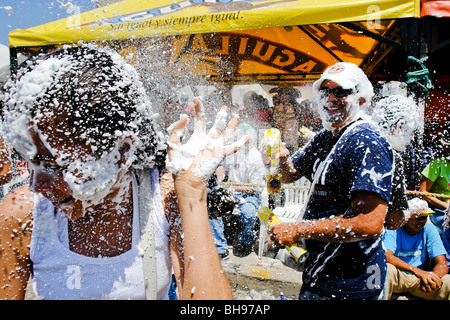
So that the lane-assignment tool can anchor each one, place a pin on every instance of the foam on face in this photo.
(398, 118)
(90, 179)
(328, 120)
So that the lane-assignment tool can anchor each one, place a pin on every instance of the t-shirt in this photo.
(362, 160)
(418, 249)
(59, 273)
(446, 241)
(438, 171)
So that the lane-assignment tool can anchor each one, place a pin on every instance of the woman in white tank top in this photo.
(81, 119)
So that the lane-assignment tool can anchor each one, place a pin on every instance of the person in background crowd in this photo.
(256, 110)
(436, 179)
(286, 115)
(309, 122)
(397, 118)
(243, 167)
(416, 257)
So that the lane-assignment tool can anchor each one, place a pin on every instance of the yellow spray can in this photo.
(273, 141)
(298, 252)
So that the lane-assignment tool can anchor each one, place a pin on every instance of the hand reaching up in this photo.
(199, 157)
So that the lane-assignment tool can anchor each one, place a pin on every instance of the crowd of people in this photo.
(117, 209)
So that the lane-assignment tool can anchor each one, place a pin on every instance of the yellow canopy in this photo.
(269, 55)
(233, 41)
(140, 18)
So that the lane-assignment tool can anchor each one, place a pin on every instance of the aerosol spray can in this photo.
(273, 141)
(298, 252)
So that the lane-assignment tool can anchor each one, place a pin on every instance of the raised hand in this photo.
(203, 152)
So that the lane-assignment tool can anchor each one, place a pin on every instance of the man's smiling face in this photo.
(337, 106)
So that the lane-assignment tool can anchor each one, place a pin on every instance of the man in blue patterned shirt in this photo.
(350, 165)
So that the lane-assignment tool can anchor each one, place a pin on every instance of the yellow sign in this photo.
(139, 19)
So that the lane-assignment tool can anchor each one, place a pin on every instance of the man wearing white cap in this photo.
(352, 92)
(350, 165)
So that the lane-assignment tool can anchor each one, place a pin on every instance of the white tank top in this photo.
(59, 273)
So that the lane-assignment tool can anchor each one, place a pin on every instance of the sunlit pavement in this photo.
(253, 278)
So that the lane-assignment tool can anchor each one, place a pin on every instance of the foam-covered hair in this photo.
(390, 110)
(94, 90)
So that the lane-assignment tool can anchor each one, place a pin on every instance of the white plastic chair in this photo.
(295, 199)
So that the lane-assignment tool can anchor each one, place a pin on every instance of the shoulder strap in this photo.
(147, 242)
(324, 164)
